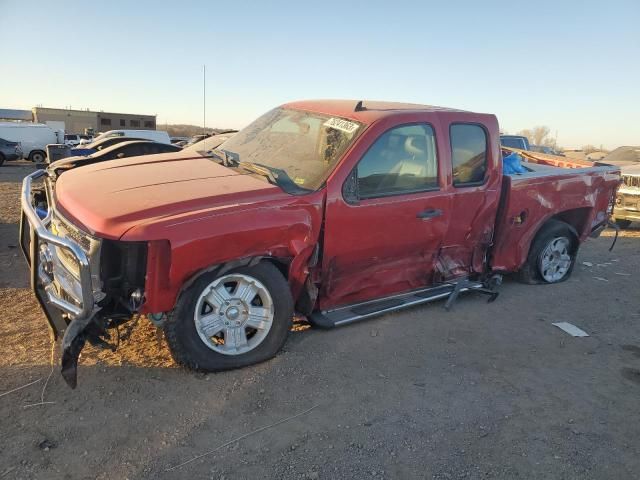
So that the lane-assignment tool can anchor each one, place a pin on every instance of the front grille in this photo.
(631, 181)
(78, 236)
(67, 229)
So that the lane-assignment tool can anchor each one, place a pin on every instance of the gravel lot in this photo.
(484, 391)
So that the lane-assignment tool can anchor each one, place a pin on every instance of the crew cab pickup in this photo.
(336, 210)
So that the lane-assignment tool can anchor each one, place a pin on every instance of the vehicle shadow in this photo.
(14, 172)
(13, 268)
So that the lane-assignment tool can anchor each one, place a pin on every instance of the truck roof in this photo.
(371, 110)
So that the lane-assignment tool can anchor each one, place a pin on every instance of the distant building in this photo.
(15, 115)
(76, 121)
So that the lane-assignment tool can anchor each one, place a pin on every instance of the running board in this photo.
(362, 311)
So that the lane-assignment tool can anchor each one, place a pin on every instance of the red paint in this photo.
(195, 214)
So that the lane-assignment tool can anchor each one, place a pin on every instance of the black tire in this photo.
(189, 350)
(623, 223)
(2, 159)
(530, 272)
(37, 156)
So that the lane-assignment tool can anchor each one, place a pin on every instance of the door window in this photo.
(468, 154)
(402, 160)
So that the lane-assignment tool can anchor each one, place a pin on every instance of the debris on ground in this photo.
(601, 279)
(46, 445)
(587, 264)
(571, 329)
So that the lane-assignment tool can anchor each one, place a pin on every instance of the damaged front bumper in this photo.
(66, 296)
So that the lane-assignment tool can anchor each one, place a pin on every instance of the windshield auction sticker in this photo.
(340, 124)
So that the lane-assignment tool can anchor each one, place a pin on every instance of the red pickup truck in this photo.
(335, 210)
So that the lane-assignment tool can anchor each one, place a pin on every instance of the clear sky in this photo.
(574, 66)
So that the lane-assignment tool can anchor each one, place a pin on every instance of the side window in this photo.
(468, 154)
(401, 160)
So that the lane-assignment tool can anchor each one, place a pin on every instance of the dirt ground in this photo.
(484, 391)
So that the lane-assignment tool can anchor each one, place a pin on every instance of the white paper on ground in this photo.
(571, 329)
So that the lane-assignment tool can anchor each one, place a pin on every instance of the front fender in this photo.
(286, 233)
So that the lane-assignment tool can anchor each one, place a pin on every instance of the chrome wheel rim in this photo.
(555, 260)
(234, 314)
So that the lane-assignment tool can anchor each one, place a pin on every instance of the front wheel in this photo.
(37, 156)
(552, 255)
(231, 320)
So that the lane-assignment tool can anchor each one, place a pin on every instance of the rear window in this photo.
(513, 143)
(468, 154)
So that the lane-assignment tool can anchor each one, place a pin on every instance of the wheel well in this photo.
(280, 263)
(555, 220)
(32, 152)
(577, 219)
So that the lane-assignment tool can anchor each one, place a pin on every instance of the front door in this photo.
(384, 232)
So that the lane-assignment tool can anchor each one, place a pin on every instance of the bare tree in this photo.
(526, 133)
(538, 135)
(587, 149)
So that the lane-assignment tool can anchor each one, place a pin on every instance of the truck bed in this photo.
(575, 192)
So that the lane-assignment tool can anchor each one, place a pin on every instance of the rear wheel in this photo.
(552, 255)
(37, 156)
(231, 320)
(623, 223)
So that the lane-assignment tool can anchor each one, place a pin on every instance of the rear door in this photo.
(474, 160)
(385, 221)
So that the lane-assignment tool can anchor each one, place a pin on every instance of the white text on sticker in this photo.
(340, 124)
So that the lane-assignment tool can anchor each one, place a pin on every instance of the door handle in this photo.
(429, 213)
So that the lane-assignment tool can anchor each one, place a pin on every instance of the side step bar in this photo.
(362, 311)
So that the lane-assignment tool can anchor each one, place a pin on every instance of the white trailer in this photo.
(33, 138)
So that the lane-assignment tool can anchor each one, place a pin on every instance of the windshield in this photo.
(300, 148)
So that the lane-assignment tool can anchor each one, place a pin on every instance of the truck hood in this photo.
(107, 199)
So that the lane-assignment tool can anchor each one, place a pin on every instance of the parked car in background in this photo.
(545, 149)
(133, 148)
(9, 150)
(98, 145)
(627, 206)
(335, 209)
(198, 138)
(72, 139)
(33, 138)
(515, 141)
(155, 135)
(206, 144)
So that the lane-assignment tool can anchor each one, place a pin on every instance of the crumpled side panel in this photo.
(580, 198)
